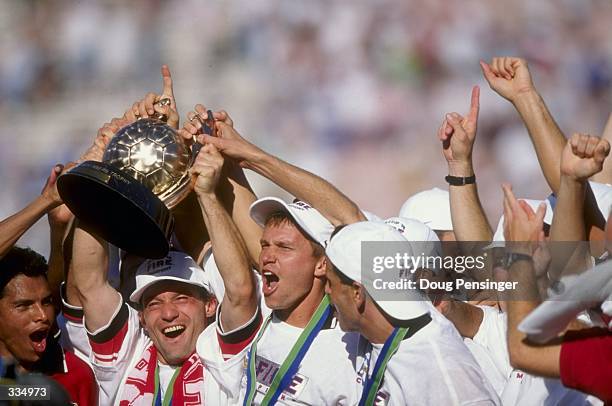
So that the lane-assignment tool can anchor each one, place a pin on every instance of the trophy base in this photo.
(117, 208)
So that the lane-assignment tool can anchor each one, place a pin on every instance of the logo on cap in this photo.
(298, 204)
(159, 265)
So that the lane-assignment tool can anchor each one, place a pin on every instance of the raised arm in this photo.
(319, 193)
(60, 220)
(86, 283)
(240, 300)
(88, 269)
(511, 79)
(233, 189)
(522, 231)
(583, 156)
(457, 134)
(13, 227)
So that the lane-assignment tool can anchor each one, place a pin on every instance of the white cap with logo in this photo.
(176, 266)
(344, 251)
(425, 239)
(308, 218)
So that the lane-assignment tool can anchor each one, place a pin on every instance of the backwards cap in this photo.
(344, 251)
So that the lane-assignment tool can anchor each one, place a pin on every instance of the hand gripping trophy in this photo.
(126, 198)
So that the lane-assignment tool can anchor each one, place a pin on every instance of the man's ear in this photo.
(142, 321)
(359, 296)
(210, 307)
(321, 267)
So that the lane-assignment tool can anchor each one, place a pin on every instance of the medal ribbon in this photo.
(373, 383)
(291, 364)
(168, 396)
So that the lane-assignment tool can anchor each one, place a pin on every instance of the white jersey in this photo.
(433, 367)
(327, 374)
(124, 359)
(520, 388)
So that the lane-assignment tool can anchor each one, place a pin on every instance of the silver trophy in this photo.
(126, 198)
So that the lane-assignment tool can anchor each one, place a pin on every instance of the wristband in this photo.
(460, 181)
(512, 257)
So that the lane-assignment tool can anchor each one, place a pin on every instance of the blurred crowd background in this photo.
(352, 90)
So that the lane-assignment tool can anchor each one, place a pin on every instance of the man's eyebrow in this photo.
(23, 302)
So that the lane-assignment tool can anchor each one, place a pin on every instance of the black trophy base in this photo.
(117, 208)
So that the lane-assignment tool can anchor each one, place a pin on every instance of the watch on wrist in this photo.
(512, 257)
(460, 181)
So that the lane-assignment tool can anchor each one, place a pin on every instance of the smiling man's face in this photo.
(174, 314)
(27, 313)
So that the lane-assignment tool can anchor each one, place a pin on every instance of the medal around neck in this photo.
(126, 198)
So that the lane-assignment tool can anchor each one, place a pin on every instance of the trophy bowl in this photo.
(126, 198)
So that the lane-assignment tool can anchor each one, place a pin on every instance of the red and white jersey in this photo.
(124, 361)
(74, 335)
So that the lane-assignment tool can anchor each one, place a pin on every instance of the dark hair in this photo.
(21, 261)
(282, 217)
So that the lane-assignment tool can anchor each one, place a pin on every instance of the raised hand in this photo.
(457, 133)
(521, 224)
(49, 191)
(508, 76)
(584, 156)
(60, 215)
(194, 125)
(149, 106)
(103, 137)
(206, 170)
(226, 139)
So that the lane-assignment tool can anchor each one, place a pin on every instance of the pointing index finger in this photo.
(475, 104)
(167, 81)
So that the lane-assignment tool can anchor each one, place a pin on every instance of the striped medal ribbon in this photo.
(373, 383)
(290, 365)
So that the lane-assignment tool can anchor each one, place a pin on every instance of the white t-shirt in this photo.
(326, 375)
(433, 367)
(165, 376)
(520, 388)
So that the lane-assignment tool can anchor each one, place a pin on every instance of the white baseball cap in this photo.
(176, 266)
(307, 217)
(413, 230)
(371, 216)
(499, 233)
(344, 251)
(431, 207)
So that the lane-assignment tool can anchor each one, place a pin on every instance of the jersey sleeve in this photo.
(70, 322)
(225, 353)
(113, 348)
(234, 341)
